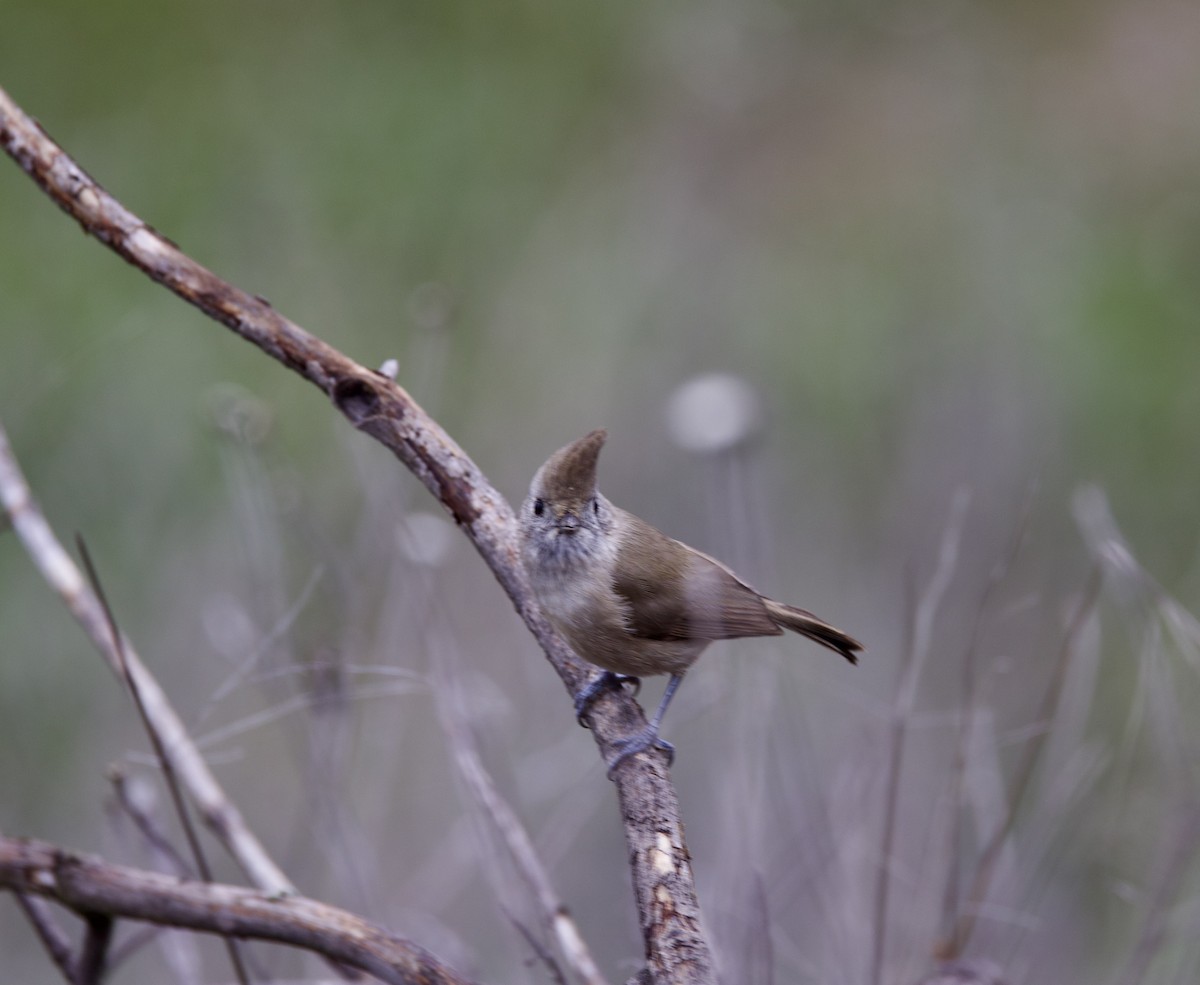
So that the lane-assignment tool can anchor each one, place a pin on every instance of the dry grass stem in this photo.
(990, 855)
(919, 645)
(966, 725)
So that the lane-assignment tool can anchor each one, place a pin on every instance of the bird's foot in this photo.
(647, 738)
(606, 681)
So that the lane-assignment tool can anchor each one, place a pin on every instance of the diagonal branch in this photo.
(90, 885)
(676, 948)
(54, 939)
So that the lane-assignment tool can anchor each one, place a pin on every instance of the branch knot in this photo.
(358, 399)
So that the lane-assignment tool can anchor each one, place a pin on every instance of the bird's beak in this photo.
(567, 522)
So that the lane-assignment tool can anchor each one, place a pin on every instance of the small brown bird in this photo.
(631, 600)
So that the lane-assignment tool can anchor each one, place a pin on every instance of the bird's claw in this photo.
(647, 738)
(598, 685)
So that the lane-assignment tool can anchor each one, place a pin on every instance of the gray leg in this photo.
(648, 737)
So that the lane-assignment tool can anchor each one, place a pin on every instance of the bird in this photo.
(632, 600)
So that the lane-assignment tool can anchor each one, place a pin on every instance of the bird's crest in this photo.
(570, 473)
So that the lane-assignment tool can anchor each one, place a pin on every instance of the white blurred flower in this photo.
(141, 793)
(239, 412)
(228, 627)
(430, 306)
(713, 413)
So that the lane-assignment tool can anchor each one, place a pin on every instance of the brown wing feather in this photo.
(714, 605)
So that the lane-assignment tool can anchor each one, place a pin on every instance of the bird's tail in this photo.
(806, 624)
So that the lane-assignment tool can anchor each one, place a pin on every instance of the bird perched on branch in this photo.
(632, 600)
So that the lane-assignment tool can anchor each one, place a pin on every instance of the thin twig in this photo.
(966, 724)
(1174, 867)
(160, 752)
(556, 919)
(975, 972)
(540, 951)
(273, 636)
(87, 884)
(919, 644)
(52, 936)
(299, 702)
(1140, 593)
(131, 945)
(159, 843)
(164, 761)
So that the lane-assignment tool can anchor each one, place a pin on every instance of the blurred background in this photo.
(850, 285)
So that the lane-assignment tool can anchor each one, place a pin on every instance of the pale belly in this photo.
(595, 626)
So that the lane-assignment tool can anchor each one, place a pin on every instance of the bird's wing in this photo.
(714, 605)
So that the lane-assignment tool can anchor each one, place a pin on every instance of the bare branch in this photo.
(676, 947)
(52, 936)
(88, 884)
(93, 961)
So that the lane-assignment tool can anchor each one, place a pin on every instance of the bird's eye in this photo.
(539, 507)
(596, 506)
